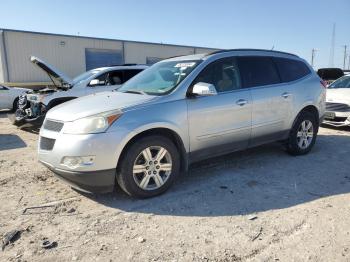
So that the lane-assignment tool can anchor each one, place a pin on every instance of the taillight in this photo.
(323, 83)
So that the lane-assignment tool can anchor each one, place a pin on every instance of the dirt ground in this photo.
(257, 205)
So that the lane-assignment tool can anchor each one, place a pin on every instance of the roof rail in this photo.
(129, 64)
(248, 49)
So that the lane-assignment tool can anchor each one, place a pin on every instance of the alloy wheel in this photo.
(152, 168)
(305, 134)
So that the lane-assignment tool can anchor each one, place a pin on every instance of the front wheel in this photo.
(149, 167)
(15, 105)
(303, 134)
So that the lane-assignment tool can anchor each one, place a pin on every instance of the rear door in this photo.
(271, 100)
(220, 123)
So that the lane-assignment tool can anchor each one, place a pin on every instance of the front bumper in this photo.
(337, 119)
(101, 181)
(26, 122)
(105, 148)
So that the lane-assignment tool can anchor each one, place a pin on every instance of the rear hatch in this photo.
(59, 79)
(330, 74)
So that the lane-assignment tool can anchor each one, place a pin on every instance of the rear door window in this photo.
(290, 69)
(257, 71)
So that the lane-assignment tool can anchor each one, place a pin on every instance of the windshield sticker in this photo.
(180, 74)
(185, 65)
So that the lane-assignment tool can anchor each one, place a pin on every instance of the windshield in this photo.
(161, 78)
(85, 76)
(343, 82)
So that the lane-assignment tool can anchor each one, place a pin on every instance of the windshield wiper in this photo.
(135, 92)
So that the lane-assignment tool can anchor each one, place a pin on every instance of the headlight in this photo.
(92, 124)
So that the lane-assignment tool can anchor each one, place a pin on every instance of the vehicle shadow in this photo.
(28, 128)
(31, 129)
(3, 113)
(9, 141)
(255, 180)
(341, 128)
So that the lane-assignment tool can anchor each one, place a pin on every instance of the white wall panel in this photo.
(67, 53)
(64, 52)
(138, 52)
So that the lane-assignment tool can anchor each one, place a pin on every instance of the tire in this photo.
(14, 105)
(302, 131)
(144, 184)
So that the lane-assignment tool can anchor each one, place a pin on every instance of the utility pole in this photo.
(345, 55)
(349, 63)
(313, 54)
(331, 54)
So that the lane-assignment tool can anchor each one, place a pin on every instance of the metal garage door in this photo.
(102, 57)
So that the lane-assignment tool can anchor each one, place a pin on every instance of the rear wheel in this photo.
(302, 137)
(149, 167)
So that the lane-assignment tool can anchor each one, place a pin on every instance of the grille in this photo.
(338, 119)
(337, 107)
(46, 143)
(53, 126)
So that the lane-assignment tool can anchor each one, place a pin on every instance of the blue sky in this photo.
(294, 26)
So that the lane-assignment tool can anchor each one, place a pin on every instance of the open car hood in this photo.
(59, 79)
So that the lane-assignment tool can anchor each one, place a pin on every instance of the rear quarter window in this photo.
(291, 70)
(257, 71)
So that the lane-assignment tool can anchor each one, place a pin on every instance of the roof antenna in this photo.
(273, 47)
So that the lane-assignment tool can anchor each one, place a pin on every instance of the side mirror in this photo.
(204, 89)
(94, 82)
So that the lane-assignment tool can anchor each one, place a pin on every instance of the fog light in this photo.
(77, 161)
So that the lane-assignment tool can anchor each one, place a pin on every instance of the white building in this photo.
(74, 54)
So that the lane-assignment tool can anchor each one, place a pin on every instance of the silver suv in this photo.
(179, 111)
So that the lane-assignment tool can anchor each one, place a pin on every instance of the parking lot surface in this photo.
(256, 205)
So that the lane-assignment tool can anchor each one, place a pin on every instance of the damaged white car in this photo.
(338, 103)
(33, 106)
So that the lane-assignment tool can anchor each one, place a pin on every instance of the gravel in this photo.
(257, 205)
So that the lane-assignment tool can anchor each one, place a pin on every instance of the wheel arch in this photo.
(15, 103)
(309, 108)
(162, 131)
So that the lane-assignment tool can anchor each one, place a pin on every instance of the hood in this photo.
(59, 79)
(338, 95)
(20, 89)
(95, 104)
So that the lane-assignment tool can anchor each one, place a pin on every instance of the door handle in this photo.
(241, 102)
(285, 95)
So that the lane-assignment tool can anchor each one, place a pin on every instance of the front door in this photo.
(106, 82)
(220, 123)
